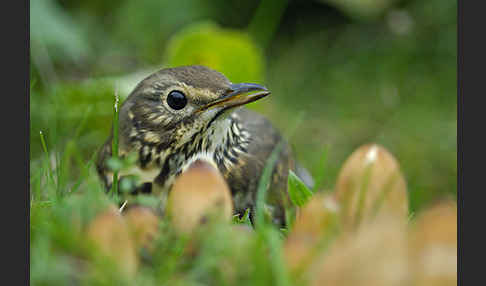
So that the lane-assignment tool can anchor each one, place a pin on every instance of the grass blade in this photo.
(279, 269)
(266, 19)
(321, 170)
(44, 147)
(114, 187)
(264, 184)
(264, 181)
(81, 125)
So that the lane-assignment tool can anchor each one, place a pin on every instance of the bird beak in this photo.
(238, 95)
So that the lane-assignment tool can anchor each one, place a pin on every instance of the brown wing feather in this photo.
(245, 176)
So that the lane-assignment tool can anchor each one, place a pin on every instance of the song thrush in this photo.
(178, 115)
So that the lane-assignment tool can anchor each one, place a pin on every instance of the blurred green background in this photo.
(359, 71)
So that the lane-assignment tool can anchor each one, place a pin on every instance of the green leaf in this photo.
(298, 191)
(229, 51)
(244, 220)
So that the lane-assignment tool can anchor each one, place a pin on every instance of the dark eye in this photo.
(176, 100)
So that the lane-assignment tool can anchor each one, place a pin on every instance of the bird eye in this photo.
(176, 100)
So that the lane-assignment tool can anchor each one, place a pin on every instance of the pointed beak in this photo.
(238, 95)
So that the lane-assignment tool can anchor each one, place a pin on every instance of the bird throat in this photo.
(221, 143)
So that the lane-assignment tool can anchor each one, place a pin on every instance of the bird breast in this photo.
(221, 144)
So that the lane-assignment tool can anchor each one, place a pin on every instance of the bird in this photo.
(179, 115)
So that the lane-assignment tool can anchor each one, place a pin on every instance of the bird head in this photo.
(171, 106)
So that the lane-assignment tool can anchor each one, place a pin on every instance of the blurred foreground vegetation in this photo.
(359, 71)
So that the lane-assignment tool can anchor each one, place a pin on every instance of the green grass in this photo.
(356, 81)
(65, 188)
(66, 194)
(60, 254)
(61, 213)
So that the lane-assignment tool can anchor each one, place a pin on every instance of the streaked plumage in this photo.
(212, 126)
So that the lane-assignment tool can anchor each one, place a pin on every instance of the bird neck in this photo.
(221, 144)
